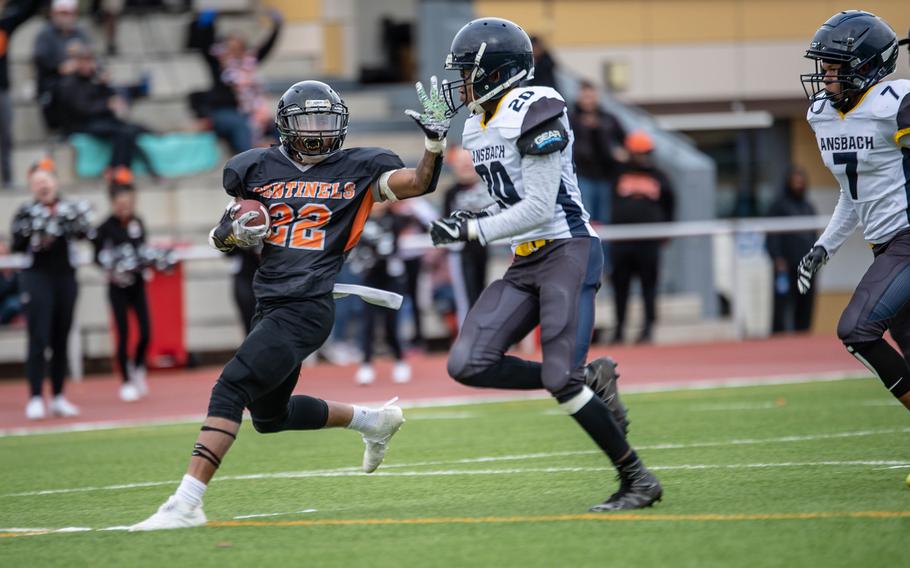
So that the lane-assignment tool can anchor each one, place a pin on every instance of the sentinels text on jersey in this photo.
(867, 151)
(497, 159)
(317, 212)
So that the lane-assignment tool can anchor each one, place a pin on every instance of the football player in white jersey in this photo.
(521, 144)
(862, 126)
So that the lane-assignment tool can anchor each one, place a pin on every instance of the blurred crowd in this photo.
(618, 177)
(76, 93)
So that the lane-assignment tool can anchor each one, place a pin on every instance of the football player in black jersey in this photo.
(318, 196)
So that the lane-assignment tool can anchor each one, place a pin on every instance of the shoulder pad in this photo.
(545, 138)
(541, 111)
(238, 168)
(820, 111)
(524, 108)
(375, 160)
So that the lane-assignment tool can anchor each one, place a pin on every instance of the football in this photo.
(248, 205)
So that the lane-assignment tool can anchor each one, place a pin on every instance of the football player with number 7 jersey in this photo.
(862, 127)
(521, 144)
(318, 196)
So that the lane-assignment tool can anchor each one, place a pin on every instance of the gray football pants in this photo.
(553, 287)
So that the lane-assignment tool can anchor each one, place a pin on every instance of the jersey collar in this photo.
(483, 119)
(843, 115)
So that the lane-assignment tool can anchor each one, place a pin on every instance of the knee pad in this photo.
(271, 425)
(227, 400)
(459, 362)
(560, 382)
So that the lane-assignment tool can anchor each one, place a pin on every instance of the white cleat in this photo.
(137, 378)
(377, 442)
(129, 392)
(365, 375)
(174, 514)
(401, 373)
(35, 410)
(63, 408)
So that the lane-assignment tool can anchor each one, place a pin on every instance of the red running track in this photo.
(181, 394)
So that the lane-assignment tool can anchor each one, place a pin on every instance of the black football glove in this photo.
(464, 214)
(449, 230)
(808, 266)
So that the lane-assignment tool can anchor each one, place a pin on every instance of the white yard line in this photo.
(475, 472)
(351, 471)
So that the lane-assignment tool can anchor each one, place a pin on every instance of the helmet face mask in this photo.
(863, 47)
(312, 121)
(492, 56)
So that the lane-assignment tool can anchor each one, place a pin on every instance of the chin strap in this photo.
(476, 106)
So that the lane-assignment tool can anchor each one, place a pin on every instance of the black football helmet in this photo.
(312, 120)
(863, 44)
(492, 55)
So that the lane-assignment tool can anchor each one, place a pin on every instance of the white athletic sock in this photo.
(191, 491)
(365, 420)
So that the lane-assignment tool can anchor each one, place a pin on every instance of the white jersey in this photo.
(867, 151)
(493, 146)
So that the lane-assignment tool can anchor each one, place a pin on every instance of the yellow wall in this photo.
(297, 10)
(586, 22)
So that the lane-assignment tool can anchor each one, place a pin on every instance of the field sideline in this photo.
(801, 473)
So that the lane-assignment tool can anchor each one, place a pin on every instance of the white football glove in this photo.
(246, 236)
(435, 119)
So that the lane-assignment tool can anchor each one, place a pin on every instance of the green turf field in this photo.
(758, 476)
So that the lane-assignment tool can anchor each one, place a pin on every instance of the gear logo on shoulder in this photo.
(549, 138)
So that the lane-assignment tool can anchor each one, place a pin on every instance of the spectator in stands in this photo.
(44, 229)
(15, 13)
(380, 266)
(88, 104)
(544, 65)
(50, 53)
(792, 310)
(106, 14)
(467, 265)
(246, 262)
(599, 151)
(418, 214)
(236, 105)
(10, 300)
(643, 195)
(119, 242)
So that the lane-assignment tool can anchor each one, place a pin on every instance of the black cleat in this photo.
(638, 489)
(601, 377)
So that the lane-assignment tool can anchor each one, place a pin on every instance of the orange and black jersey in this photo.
(317, 212)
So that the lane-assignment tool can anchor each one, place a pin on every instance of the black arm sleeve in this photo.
(269, 43)
(545, 138)
(20, 240)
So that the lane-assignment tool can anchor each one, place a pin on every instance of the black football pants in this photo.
(264, 371)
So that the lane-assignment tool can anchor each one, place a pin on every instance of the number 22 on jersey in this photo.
(301, 231)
